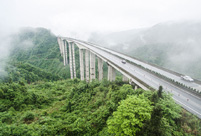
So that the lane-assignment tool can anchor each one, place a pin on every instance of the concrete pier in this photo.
(100, 69)
(74, 67)
(70, 60)
(63, 50)
(125, 79)
(66, 54)
(62, 47)
(111, 73)
(92, 66)
(81, 64)
(87, 65)
(59, 42)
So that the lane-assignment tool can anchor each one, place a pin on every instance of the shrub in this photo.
(28, 116)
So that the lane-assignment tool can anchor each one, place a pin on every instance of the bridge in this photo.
(136, 72)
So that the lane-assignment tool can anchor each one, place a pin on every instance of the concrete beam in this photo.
(100, 69)
(87, 65)
(74, 67)
(92, 66)
(81, 64)
(70, 60)
(80, 46)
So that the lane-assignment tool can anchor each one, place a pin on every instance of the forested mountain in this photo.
(37, 99)
(173, 45)
(35, 55)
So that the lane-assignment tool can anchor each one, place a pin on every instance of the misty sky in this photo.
(78, 18)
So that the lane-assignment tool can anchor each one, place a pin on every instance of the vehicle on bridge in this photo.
(187, 78)
(123, 61)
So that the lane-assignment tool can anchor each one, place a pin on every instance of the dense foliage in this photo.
(74, 107)
(28, 73)
(130, 116)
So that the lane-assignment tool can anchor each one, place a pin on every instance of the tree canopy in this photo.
(130, 116)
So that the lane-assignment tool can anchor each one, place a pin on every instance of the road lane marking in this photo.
(188, 107)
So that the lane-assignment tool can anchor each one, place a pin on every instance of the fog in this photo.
(79, 18)
(9, 41)
(84, 19)
(4, 53)
(174, 45)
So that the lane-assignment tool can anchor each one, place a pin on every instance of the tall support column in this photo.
(74, 67)
(92, 66)
(125, 79)
(64, 58)
(81, 64)
(66, 54)
(135, 87)
(111, 73)
(62, 48)
(87, 65)
(100, 69)
(70, 61)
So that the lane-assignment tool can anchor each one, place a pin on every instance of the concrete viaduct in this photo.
(136, 72)
(87, 68)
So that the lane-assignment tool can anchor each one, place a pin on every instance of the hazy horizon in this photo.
(82, 19)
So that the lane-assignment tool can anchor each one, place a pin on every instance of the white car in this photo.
(187, 78)
(123, 61)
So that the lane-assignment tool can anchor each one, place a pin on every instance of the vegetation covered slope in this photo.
(35, 50)
(74, 107)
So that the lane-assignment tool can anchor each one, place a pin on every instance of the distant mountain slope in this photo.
(174, 45)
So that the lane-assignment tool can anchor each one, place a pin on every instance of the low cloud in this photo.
(174, 45)
(9, 42)
(5, 47)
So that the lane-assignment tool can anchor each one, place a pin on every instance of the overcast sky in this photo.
(76, 18)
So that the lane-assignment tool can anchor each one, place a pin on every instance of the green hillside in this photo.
(73, 107)
(35, 51)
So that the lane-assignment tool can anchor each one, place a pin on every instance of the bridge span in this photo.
(139, 73)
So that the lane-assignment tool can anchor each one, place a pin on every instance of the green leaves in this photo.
(130, 116)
